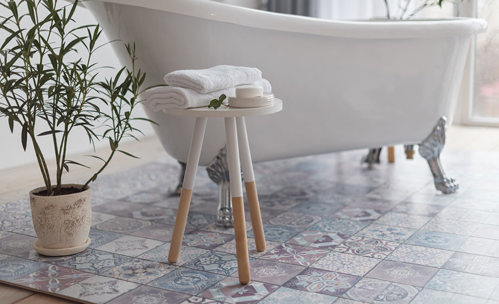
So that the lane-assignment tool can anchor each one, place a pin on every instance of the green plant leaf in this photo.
(24, 136)
(128, 154)
(50, 132)
(11, 124)
(71, 162)
(97, 157)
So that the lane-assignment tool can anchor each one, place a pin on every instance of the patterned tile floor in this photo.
(336, 233)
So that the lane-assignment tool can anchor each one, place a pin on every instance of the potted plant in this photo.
(49, 87)
(409, 8)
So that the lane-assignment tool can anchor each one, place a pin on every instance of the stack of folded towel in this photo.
(196, 88)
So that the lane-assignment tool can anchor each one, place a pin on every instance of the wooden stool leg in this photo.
(250, 185)
(187, 186)
(237, 200)
(391, 154)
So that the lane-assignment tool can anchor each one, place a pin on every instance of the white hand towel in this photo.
(163, 98)
(213, 79)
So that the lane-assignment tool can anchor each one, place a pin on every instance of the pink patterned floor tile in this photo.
(323, 281)
(273, 272)
(367, 247)
(231, 291)
(53, 278)
(294, 254)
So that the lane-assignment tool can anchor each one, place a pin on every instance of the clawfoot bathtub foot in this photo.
(430, 150)
(372, 157)
(218, 171)
(409, 151)
(178, 189)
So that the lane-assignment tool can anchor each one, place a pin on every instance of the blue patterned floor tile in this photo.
(441, 240)
(139, 271)
(215, 262)
(160, 254)
(97, 289)
(200, 300)
(123, 225)
(420, 255)
(346, 263)
(150, 197)
(286, 295)
(231, 291)
(463, 283)
(318, 239)
(130, 245)
(486, 231)
(158, 232)
(389, 233)
(13, 268)
(206, 239)
(320, 209)
(294, 220)
(150, 295)
(379, 291)
(17, 245)
(187, 281)
(347, 301)
(343, 226)
(403, 273)
(481, 246)
(101, 237)
(98, 217)
(357, 214)
(91, 260)
(323, 282)
(294, 254)
(403, 220)
(418, 209)
(118, 208)
(471, 263)
(450, 226)
(373, 248)
(277, 233)
(273, 272)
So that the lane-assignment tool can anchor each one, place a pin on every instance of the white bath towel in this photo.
(167, 97)
(213, 79)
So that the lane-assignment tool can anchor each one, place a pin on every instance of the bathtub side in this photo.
(339, 93)
(220, 12)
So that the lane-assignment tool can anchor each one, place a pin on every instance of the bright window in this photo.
(485, 104)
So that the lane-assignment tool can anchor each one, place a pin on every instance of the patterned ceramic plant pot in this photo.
(62, 222)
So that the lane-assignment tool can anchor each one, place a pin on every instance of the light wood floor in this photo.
(16, 182)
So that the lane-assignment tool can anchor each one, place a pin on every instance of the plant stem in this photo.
(43, 164)
(100, 170)
(404, 11)
(387, 10)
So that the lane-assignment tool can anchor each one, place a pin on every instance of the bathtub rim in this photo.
(222, 12)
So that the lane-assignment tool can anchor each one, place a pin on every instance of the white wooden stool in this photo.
(237, 147)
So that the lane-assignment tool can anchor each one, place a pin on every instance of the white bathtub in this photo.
(345, 85)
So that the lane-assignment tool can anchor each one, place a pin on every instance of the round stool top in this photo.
(225, 111)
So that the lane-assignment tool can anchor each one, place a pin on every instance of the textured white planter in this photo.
(62, 223)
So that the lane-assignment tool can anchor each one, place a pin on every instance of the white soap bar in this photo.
(249, 91)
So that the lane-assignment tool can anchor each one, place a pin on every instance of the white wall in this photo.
(11, 152)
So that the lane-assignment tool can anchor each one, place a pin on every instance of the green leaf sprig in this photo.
(216, 103)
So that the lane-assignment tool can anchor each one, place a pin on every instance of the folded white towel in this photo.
(213, 79)
(167, 97)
